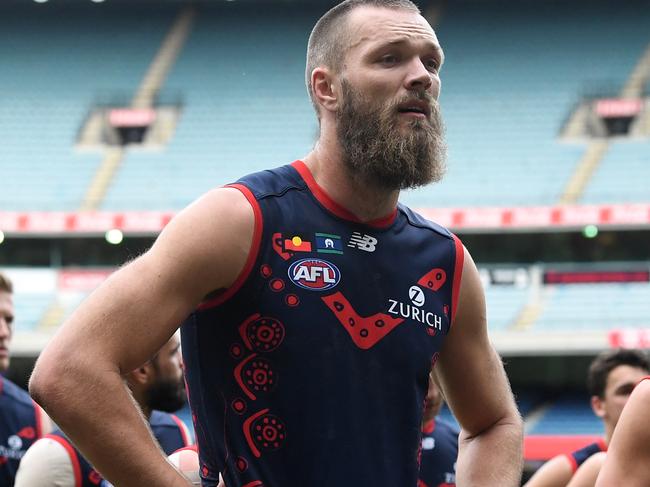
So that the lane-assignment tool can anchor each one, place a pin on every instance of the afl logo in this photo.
(314, 274)
(416, 295)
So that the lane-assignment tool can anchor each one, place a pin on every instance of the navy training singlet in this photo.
(579, 457)
(20, 426)
(169, 431)
(439, 454)
(312, 369)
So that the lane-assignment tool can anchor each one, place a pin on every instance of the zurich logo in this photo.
(314, 274)
(416, 295)
(14, 442)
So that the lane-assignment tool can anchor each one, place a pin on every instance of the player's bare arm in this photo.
(78, 377)
(557, 472)
(587, 474)
(628, 458)
(478, 392)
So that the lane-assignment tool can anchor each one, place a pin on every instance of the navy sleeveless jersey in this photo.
(313, 367)
(169, 430)
(166, 428)
(20, 426)
(439, 454)
(578, 457)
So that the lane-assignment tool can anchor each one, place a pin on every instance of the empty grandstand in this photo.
(554, 207)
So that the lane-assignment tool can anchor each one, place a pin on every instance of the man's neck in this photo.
(366, 202)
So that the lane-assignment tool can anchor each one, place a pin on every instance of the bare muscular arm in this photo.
(628, 457)
(78, 377)
(586, 475)
(478, 392)
(557, 472)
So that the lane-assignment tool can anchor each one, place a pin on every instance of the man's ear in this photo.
(326, 89)
(141, 375)
(598, 406)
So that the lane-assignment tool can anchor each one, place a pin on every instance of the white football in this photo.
(186, 461)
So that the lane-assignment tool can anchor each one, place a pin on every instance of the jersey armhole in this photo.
(572, 462)
(185, 434)
(74, 459)
(458, 274)
(252, 253)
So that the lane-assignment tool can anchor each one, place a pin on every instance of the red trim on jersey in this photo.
(458, 274)
(252, 254)
(38, 414)
(647, 377)
(429, 427)
(574, 465)
(572, 461)
(183, 428)
(331, 205)
(72, 453)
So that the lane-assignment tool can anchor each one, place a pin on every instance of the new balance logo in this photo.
(363, 242)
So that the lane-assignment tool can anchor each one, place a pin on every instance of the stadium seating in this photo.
(596, 307)
(245, 106)
(622, 176)
(568, 414)
(504, 303)
(245, 109)
(57, 60)
(29, 308)
(509, 83)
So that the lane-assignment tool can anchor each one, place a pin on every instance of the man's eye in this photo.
(432, 64)
(625, 390)
(389, 59)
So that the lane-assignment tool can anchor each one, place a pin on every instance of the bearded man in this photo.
(317, 304)
(159, 390)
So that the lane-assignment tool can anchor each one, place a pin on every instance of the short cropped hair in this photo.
(328, 42)
(607, 361)
(5, 284)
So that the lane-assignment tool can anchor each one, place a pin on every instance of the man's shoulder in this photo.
(273, 182)
(13, 393)
(419, 221)
(161, 419)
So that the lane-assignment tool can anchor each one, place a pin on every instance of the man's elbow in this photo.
(508, 422)
(514, 422)
(48, 381)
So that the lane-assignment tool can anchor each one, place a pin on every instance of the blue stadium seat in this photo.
(569, 414)
(596, 307)
(57, 60)
(622, 176)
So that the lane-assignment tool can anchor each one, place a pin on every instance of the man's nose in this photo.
(5, 328)
(419, 77)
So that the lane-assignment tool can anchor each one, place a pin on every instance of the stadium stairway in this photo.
(530, 313)
(144, 97)
(597, 149)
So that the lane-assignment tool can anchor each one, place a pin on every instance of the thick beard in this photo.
(166, 395)
(376, 153)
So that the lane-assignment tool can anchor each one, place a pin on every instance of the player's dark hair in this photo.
(5, 284)
(328, 42)
(607, 361)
